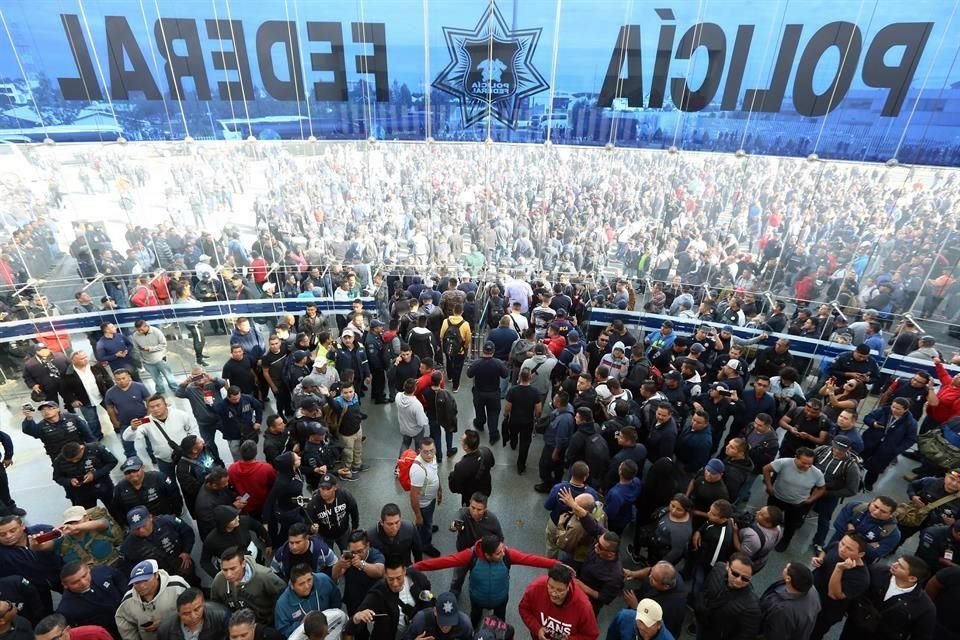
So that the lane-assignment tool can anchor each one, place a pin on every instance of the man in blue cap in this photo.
(166, 539)
(444, 622)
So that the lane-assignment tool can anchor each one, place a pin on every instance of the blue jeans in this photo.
(824, 508)
(130, 446)
(162, 375)
(209, 433)
(93, 421)
(426, 529)
(435, 432)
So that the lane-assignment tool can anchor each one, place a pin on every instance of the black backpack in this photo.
(452, 340)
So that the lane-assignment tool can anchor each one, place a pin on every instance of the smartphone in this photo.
(726, 393)
(458, 525)
(47, 536)
(245, 497)
(28, 407)
(197, 378)
(348, 555)
(948, 555)
(146, 624)
(135, 422)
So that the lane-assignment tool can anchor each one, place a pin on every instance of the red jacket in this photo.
(254, 478)
(259, 268)
(948, 395)
(555, 345)
(574, 620)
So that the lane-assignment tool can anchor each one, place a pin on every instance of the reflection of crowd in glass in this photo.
(660, 436)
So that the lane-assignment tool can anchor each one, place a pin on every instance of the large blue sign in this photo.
(859, 80)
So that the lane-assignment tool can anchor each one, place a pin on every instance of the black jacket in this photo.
(158, 494)
(53, 435)
(399, 548)
(205, 506)
(381, 600)
(472, 474)
(217, 541)
(36, 372)
(98, 605)
(215, 619)
(96, 459)
(171, 536)
(907, 616)
(729, 614)
(72, 389)
(735, 474)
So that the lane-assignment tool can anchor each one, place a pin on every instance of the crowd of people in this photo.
(659, 438)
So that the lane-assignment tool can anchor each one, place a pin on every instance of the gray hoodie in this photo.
(411, 417)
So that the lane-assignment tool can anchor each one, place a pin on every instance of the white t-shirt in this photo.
(424, 476)
(893, 590)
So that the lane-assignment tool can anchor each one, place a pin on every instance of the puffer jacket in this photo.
(133, 612)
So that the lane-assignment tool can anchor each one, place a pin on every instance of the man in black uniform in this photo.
(56, 429)
(83, 470)
(166, 539)
(139, 488)
(487, 372)
(271, 369)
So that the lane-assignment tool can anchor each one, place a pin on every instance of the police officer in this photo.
(139, 488)
(83, 470)
(166, 539)
(487, 372)
(56, 428)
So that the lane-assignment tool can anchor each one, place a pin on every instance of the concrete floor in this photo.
(518, 507)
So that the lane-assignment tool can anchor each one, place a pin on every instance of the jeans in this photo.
(162, 375)
(409, 442)
(455, 368)
(486, 406)
(426, 529)
(92, 418)
(824, 508)
(550, 471)
(234, 449)
(209, 433)
(435, 432)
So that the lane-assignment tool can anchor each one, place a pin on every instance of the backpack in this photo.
(331, 417)
(596, 448)
(493, 628)
(452, 340)
(581, 359)
(446, 408)
(407, 459)
(570, 531)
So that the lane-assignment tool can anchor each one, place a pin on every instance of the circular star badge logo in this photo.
(491, 69)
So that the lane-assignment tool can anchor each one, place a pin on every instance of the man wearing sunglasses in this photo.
(727, 607)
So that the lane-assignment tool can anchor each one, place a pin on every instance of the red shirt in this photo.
(948, 395)
(574, 620)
